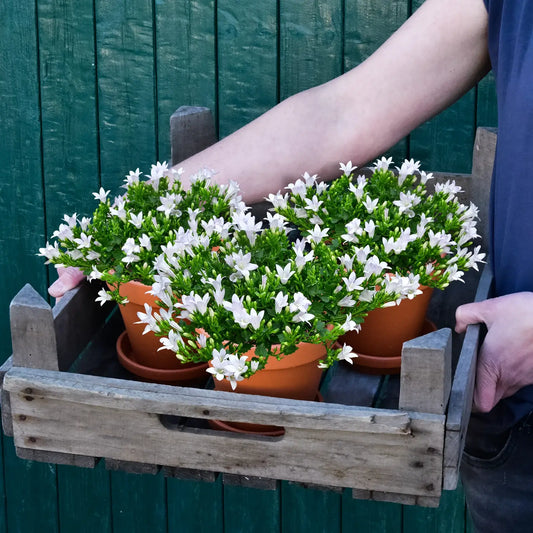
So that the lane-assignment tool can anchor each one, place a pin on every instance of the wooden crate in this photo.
(65, 399)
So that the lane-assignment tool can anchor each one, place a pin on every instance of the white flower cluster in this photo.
(392, 216)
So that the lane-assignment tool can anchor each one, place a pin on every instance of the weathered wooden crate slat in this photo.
(65, 399)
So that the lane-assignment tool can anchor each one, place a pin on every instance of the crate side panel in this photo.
(406, 463)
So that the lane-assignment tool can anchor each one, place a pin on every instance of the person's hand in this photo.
(505, 360)
(69, 278)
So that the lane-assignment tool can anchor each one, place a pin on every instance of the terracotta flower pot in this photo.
(385, 330)
(140, 353)
(295, 376)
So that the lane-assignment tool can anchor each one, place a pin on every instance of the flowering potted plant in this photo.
(395, 217)
(121, 241)
(261, 298)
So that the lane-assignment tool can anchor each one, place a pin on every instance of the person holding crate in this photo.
(440, 53)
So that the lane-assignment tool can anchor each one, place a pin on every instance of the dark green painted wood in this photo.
(138, 503)
(310, 43)
(367, 25)
(195, 506)
(247, 61)
(186, 60)
(251, 510)
(3, 499)
(84, 499)
(31, 491)
(445, 142)
(449, 516)
(487, 109)
(362, 516)
(21, 198)
(30, 488)
(68, 108)
(309, 510)
(126, 88)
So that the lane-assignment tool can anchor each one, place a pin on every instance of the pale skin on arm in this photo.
(433, 59)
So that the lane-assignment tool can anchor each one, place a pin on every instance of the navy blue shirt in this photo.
(511, 54)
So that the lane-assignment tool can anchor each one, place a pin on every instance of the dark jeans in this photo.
(497, 474)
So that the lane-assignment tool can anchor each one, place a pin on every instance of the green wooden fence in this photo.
(86, 91)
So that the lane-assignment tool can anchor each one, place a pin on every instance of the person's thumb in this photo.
(471, 313)
(69, 278)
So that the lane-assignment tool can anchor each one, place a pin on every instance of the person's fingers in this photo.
(69, 278)
(486, 393)
(471, 313)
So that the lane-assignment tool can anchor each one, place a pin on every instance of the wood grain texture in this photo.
(391, 460)
(32, 331)
(247, 61)
(68, 108)
(192, 129)
(311, 44)
(426, 372)
(185, 50)
(21, 200)
(126, 89)
(77, 319)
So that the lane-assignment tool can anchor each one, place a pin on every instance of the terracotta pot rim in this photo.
(312, 354)
(127, 358)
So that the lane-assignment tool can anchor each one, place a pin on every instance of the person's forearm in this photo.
(431, 61)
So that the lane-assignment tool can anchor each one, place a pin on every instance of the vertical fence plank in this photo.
(3, 499)
(186, 60)
(84, 503)
(31, 493)
(367, 25)
(30, 488)
(195, 506)
(71, 171)
(69, 114)
(309, 510)
(126, 88)
(21, 198)
(487, 108)
(247, 61)
(128, 125)
(249, 510)
(139, 503)
(448, 517)
(444, 143)
(360, 516)
(310, 44)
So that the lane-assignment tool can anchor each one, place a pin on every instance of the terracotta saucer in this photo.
(253, 429)
(190, 374)
(376, 364)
